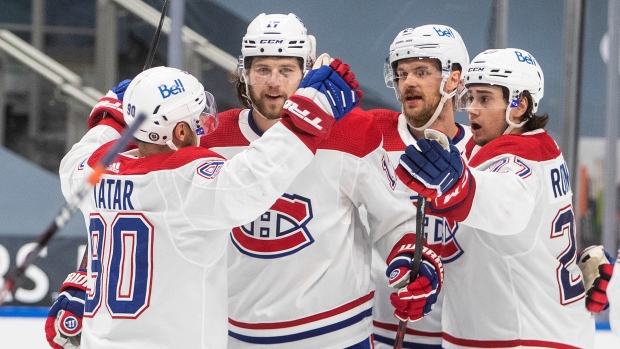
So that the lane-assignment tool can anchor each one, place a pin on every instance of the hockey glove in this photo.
(430, 168)
(414, 299)
(596, 266)
(63, 327)
(322, 98)
(110, 106)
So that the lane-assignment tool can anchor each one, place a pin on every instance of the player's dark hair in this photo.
(534, 121)
(242, 94)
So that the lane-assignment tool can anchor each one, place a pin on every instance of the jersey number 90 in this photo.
(121, 256)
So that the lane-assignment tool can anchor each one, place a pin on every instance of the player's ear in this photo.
(453, 81)
(180, 131)
(522, 107)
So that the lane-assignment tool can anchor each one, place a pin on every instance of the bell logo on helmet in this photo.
(525, 58)
(172, 90)
(444, 32)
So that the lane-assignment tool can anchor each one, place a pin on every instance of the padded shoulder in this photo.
(387, 120)
(356, 134)
(125, 165)
(534, 146)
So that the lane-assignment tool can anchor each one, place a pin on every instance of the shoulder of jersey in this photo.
(535, 146)
(227, 133)
(168, 161)
(387, 121)
(356, 134)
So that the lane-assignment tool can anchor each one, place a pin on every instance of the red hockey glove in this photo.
(416, 298)
(323, 97)
(347, 75)
(63, 327)
(110, 106)
(596, 266)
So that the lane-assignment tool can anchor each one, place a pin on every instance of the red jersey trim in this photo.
(124, 165)
(316, 317)
(411, 331)
(535, 146)
(511, 343)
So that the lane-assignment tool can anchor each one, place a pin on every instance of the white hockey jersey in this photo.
(299, 274)
(516, 283)
(425, 332)
(158, 229)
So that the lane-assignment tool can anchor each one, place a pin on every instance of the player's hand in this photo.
(63, 327)
(322, 98)
(414, 299)
(431, 167)
(596, 266)
(110, 106)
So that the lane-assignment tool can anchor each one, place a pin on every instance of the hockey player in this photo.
(160, 216)
(300, 273)
(424, 67)
(523, 287)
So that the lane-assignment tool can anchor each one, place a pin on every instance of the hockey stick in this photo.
(67, 211)
(417, 259)
(155, 40)
(419, 238)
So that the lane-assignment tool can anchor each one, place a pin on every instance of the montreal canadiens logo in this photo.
(210, 169)
(451, 250)
(278, 232)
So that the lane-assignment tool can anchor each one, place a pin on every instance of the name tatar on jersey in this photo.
(113, 194)
(281, 231)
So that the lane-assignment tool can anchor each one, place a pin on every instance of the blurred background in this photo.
(58, 57)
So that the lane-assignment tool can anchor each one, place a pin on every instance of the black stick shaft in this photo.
(417, 259)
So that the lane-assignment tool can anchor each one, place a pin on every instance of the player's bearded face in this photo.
(486, 108)
(418, 82)
(272, 80)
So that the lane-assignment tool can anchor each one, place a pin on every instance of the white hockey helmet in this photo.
(512, 68)
(428, 41)
(168, 96)
(277, 35)
(436, 41)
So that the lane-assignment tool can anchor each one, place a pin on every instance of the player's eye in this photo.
(263, 71)
(286, 72)
(422, 73)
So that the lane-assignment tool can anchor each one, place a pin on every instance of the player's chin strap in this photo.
(511, 125)
(170, 144)
(444, 98)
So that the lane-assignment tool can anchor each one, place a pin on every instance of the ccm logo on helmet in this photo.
(271, 41)
(176, 88)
